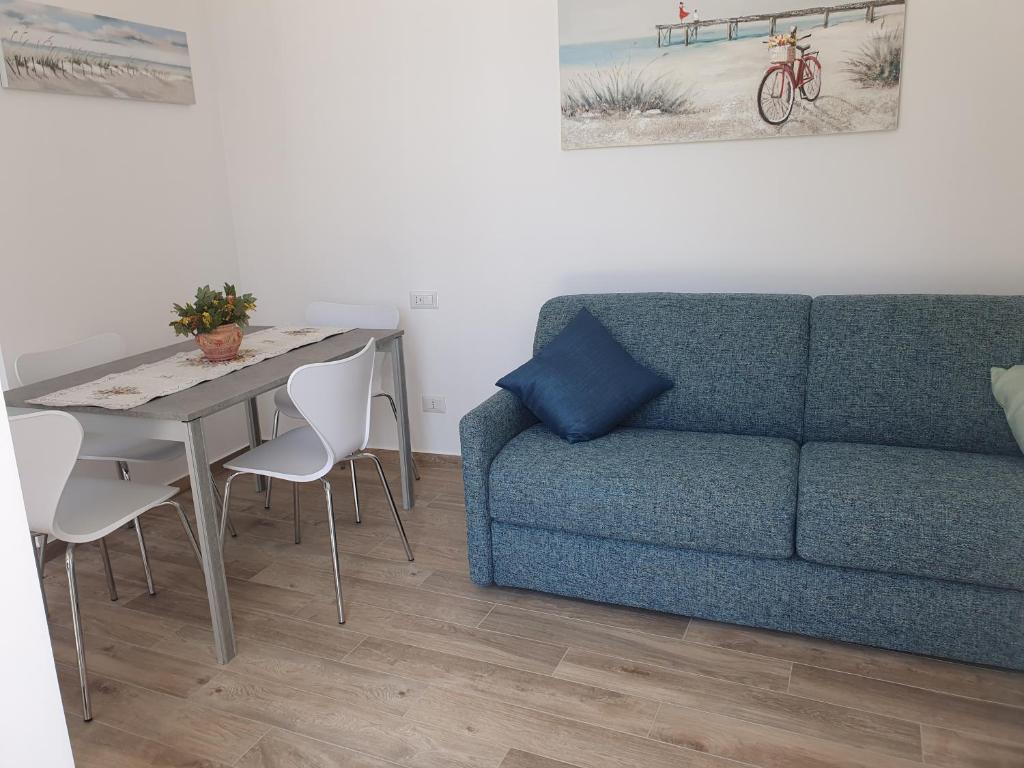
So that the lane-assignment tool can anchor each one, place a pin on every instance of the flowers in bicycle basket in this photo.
(778, 41)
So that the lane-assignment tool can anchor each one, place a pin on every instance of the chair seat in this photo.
(937, 514)
(91, 508)
(114, 447)
(716, 493)
(297, 455)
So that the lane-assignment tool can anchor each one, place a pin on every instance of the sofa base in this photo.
(902, 613)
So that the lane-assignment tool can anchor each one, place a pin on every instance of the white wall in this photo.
(32, 728)
(111, 210)
(376, 147)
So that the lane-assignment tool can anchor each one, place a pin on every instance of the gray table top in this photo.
(210, 396)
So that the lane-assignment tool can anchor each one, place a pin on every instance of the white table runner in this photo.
(128, 389)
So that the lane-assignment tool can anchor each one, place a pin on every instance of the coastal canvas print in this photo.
(55, 50)
(663, 71)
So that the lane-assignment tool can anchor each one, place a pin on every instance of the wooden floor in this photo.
(431, 671)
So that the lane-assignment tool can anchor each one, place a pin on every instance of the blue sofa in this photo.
(835, 467)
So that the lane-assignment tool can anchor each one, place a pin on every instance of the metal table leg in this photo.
(207, 522)
(252, 413)
(404, 443)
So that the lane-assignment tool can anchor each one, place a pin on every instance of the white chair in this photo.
(32, 367)
(77, 510)
(327, 313)
(334, 399)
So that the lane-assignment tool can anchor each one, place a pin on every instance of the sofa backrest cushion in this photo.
(912, 370)
(738, 362)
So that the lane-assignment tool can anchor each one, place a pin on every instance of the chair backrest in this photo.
(96, 350)
(46, 446)
(383, 317)
(334, 398)
(372, 316)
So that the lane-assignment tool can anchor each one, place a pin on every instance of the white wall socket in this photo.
(423, 299)
(434, 404)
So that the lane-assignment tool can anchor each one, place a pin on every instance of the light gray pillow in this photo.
(1008, 387)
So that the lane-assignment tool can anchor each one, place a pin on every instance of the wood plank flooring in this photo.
(430, 670)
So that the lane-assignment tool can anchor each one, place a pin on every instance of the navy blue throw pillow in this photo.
(583, 383)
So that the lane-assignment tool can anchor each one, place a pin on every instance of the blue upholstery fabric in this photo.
(738, 362)
(484, 431)
(582, 384)
(940, 514)
(930, 616)
(912, 370)
(884, 372)
(720, 493)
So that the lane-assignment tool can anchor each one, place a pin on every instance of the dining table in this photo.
(181, 417)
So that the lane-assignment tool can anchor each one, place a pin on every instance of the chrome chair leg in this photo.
(225, 505)
(188, 532)
(126, 476)
(145, 556)
(334, 549)
(394, 412)
(216, 491)
(225, 518)
(220, 503)
(391, 502)
(39, 545)
(270, 480)
(355, 490)
(108, 571)
(295, 511)
(76, 622)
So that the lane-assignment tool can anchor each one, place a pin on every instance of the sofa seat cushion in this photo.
(717, 493)
(938, 514)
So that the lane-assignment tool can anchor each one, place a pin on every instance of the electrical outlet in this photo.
(434, 404)
(423, 299)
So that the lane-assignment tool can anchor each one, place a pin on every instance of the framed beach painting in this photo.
(663, 71)
(55, 50)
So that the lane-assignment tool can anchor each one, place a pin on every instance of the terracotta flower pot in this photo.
(221, 344)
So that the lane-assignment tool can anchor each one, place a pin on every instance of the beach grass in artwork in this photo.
(55, 50)
(663, 71)
(879, 61)
(623, 91)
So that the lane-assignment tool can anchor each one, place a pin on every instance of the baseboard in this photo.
(423, 459)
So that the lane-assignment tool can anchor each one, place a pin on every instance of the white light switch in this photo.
(434, 404)
(423, 299)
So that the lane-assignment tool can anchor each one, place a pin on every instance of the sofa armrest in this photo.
(484, 431)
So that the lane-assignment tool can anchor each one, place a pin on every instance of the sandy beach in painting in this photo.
(54, 50)
(717, 80)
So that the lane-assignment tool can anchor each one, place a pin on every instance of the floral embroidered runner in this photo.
(128, 389)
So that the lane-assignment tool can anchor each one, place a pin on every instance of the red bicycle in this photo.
(777, 94)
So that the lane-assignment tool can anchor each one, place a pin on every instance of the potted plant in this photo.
(215, 319)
